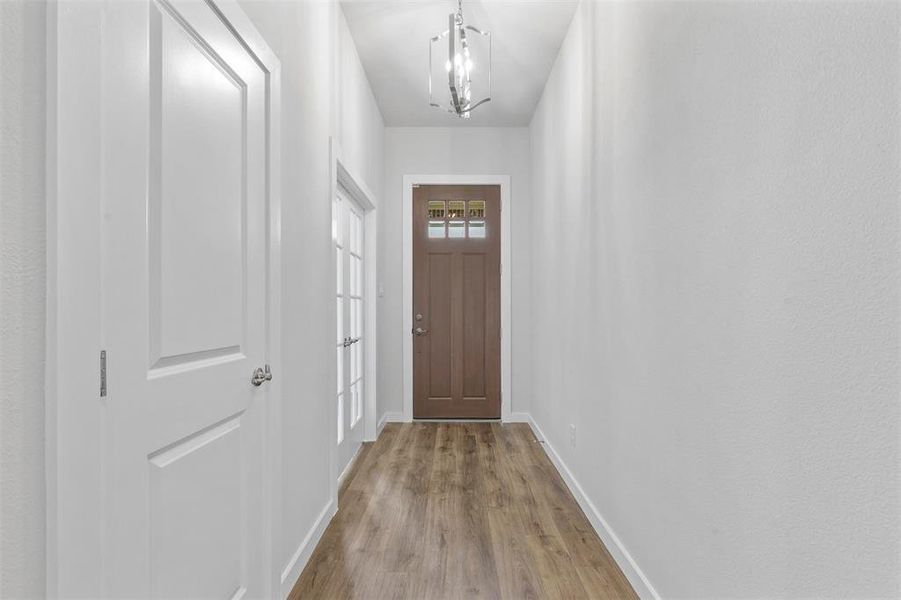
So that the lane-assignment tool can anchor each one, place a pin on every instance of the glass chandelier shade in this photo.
(467, 47)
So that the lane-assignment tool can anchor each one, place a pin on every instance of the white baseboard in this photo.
(627, 564)
(294, 568)
(349, 466)
(519, 417)
(389, 417)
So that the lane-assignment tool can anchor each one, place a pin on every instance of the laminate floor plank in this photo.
(441, 511)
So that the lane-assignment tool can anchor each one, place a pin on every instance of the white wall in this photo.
(317, 63)
(22, 290)
(359, 125)
(715, 290)
(300, 34)
(450, 151)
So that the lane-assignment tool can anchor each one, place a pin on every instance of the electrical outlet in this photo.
(572, 435)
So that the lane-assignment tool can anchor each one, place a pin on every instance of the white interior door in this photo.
(184, 293)
(348, 229)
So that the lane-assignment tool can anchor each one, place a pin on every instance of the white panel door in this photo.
(348, 232)
(184, 304)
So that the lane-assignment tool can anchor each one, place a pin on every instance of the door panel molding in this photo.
(506, 305)
(76, 35)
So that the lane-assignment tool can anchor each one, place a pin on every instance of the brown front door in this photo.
(456, 301)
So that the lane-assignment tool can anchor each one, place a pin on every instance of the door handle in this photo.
(420, 331)
(261, 376)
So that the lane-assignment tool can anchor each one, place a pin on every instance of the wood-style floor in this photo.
(458, 510)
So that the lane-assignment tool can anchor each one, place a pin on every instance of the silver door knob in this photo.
(261, 376)
(420, 331)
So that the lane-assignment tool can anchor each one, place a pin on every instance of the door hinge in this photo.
(103, 373)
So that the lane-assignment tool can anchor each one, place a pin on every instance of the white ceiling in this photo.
(392, 38)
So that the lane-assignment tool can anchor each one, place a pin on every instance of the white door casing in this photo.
(507, 413)
(187, 265)
(344, 182)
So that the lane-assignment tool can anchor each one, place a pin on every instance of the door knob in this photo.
(420, 331)
(261, 376)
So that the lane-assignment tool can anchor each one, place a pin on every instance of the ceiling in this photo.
(392, 38)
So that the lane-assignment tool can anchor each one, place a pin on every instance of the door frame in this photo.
(74, 415)
(506, 280)
(353, 186)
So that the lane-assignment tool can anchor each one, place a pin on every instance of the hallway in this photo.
(458, 510)
(256, 254)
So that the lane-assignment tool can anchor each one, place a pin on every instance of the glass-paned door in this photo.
(348, 233)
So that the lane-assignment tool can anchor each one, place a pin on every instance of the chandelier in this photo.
(464, 42)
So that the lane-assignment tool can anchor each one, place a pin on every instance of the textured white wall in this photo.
(450, 151)
(715, 289)
(22, 290)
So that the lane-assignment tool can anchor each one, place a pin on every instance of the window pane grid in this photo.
(353, 408)
(340, 382)
(340, 321)
(356, 235)
(335, 221)
(436, 209)
(356, 277)
(456, 219)
(436, 229)
(340, 418)
(456, 209)
(356, 403)
(339, 270)
(348, 232)
(339, 221)
(456, 229)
